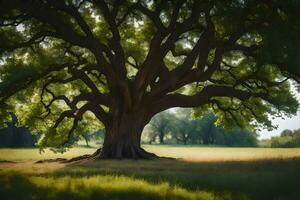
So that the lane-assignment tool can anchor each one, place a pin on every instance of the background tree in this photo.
(91, 136)
(286, 132)
(240, 138)
(286, 139)
(208, 128)
(117, 63)
(184, 128)
(87, 136)
(160, 126)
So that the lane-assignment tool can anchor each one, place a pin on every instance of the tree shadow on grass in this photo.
(260, 179)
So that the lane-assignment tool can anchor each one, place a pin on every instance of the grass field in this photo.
(187, 153)
(200, 173)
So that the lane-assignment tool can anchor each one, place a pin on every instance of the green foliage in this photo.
(240, 138)
(159, 127)
(181, 128)
(287, 139)
(51, 51)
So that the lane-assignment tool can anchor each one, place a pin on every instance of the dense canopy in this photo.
(70, 65)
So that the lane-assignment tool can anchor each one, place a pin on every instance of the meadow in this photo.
(198, 173)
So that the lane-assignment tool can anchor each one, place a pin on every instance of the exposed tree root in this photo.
(51, 160)
(7, 161)
(141, 154)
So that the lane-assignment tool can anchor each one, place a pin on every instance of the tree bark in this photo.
(123, 138)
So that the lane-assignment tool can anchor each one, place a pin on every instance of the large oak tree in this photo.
(69, 65)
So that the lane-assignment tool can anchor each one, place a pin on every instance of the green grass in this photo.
(93, 187)
(29, 154)
(202, 173)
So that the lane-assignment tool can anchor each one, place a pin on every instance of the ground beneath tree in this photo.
(97, 156)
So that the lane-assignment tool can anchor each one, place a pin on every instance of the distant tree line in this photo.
(286, 139)
(180, 128)
(165, 128)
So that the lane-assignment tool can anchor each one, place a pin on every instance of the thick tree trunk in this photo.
(123, 137)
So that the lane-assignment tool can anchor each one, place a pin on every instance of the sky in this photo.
(287, 123)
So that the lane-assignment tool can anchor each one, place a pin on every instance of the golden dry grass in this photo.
(189, 153)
